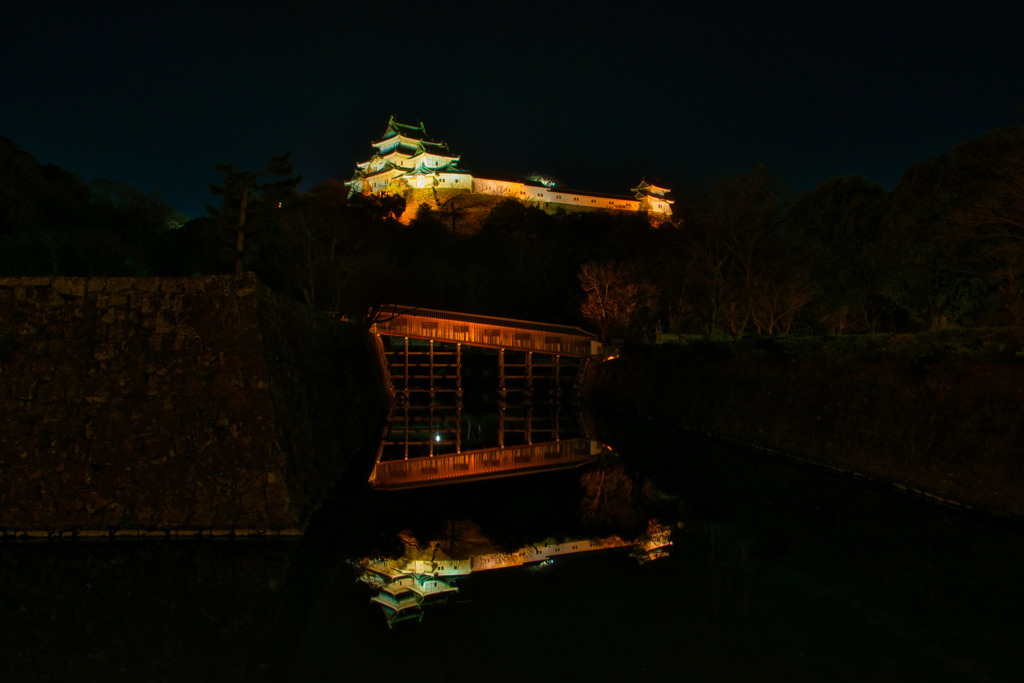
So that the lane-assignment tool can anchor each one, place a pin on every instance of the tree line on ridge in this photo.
(944, 248)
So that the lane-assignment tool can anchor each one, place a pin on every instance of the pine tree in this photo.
(268, 187)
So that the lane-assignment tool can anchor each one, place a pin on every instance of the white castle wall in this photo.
(517, 190)
(455, 181)
(532, 193)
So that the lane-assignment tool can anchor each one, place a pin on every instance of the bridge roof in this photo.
(456, 316)
(487, 331)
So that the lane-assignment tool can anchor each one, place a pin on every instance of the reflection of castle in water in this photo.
(477, 398)
(424, 575)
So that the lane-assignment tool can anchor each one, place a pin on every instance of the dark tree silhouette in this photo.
(253, 193)
(619, 300)
(737, 249)
(993, 214)
(838, 226)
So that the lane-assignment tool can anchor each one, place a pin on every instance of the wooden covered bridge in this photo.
(536, 364)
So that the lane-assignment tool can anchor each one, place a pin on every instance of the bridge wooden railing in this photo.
(488, 463)
(488, 331)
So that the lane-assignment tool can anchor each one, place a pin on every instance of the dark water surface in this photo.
(778, 573)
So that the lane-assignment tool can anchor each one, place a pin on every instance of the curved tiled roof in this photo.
(526, 325)
(395, 128)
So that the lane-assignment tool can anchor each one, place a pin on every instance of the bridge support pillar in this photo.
(558, 380)
(529, 376)
(458, 377)
(501, 425)
(405, 368)
(432, 369)
(501, 376)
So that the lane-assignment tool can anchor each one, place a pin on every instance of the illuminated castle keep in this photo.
(406, 159)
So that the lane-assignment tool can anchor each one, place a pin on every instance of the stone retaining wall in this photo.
(174, 406)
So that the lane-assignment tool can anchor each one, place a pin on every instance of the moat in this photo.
(776, 572)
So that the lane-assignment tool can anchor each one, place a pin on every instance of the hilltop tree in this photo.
(736, 247)
(618, 300)
(993, 215)
(332, 253)
(253, 192)
(136, 215)
(839, 225)
(303, 257)
(52, 223)
(952, 244)
(455, 207)
(40, 206)
(132, 221)
(380, 207)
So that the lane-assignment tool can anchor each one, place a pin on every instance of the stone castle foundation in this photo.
(174, 407)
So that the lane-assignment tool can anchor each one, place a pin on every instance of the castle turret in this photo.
(652, 198)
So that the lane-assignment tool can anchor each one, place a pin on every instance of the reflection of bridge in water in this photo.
(487, 463)
(479, 397)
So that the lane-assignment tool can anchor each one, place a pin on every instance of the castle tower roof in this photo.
(646, 189)
(405, 130)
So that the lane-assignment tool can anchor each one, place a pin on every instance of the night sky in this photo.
(595, 94)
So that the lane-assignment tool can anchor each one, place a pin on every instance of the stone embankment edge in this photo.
(608, 388)
(32, 536)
